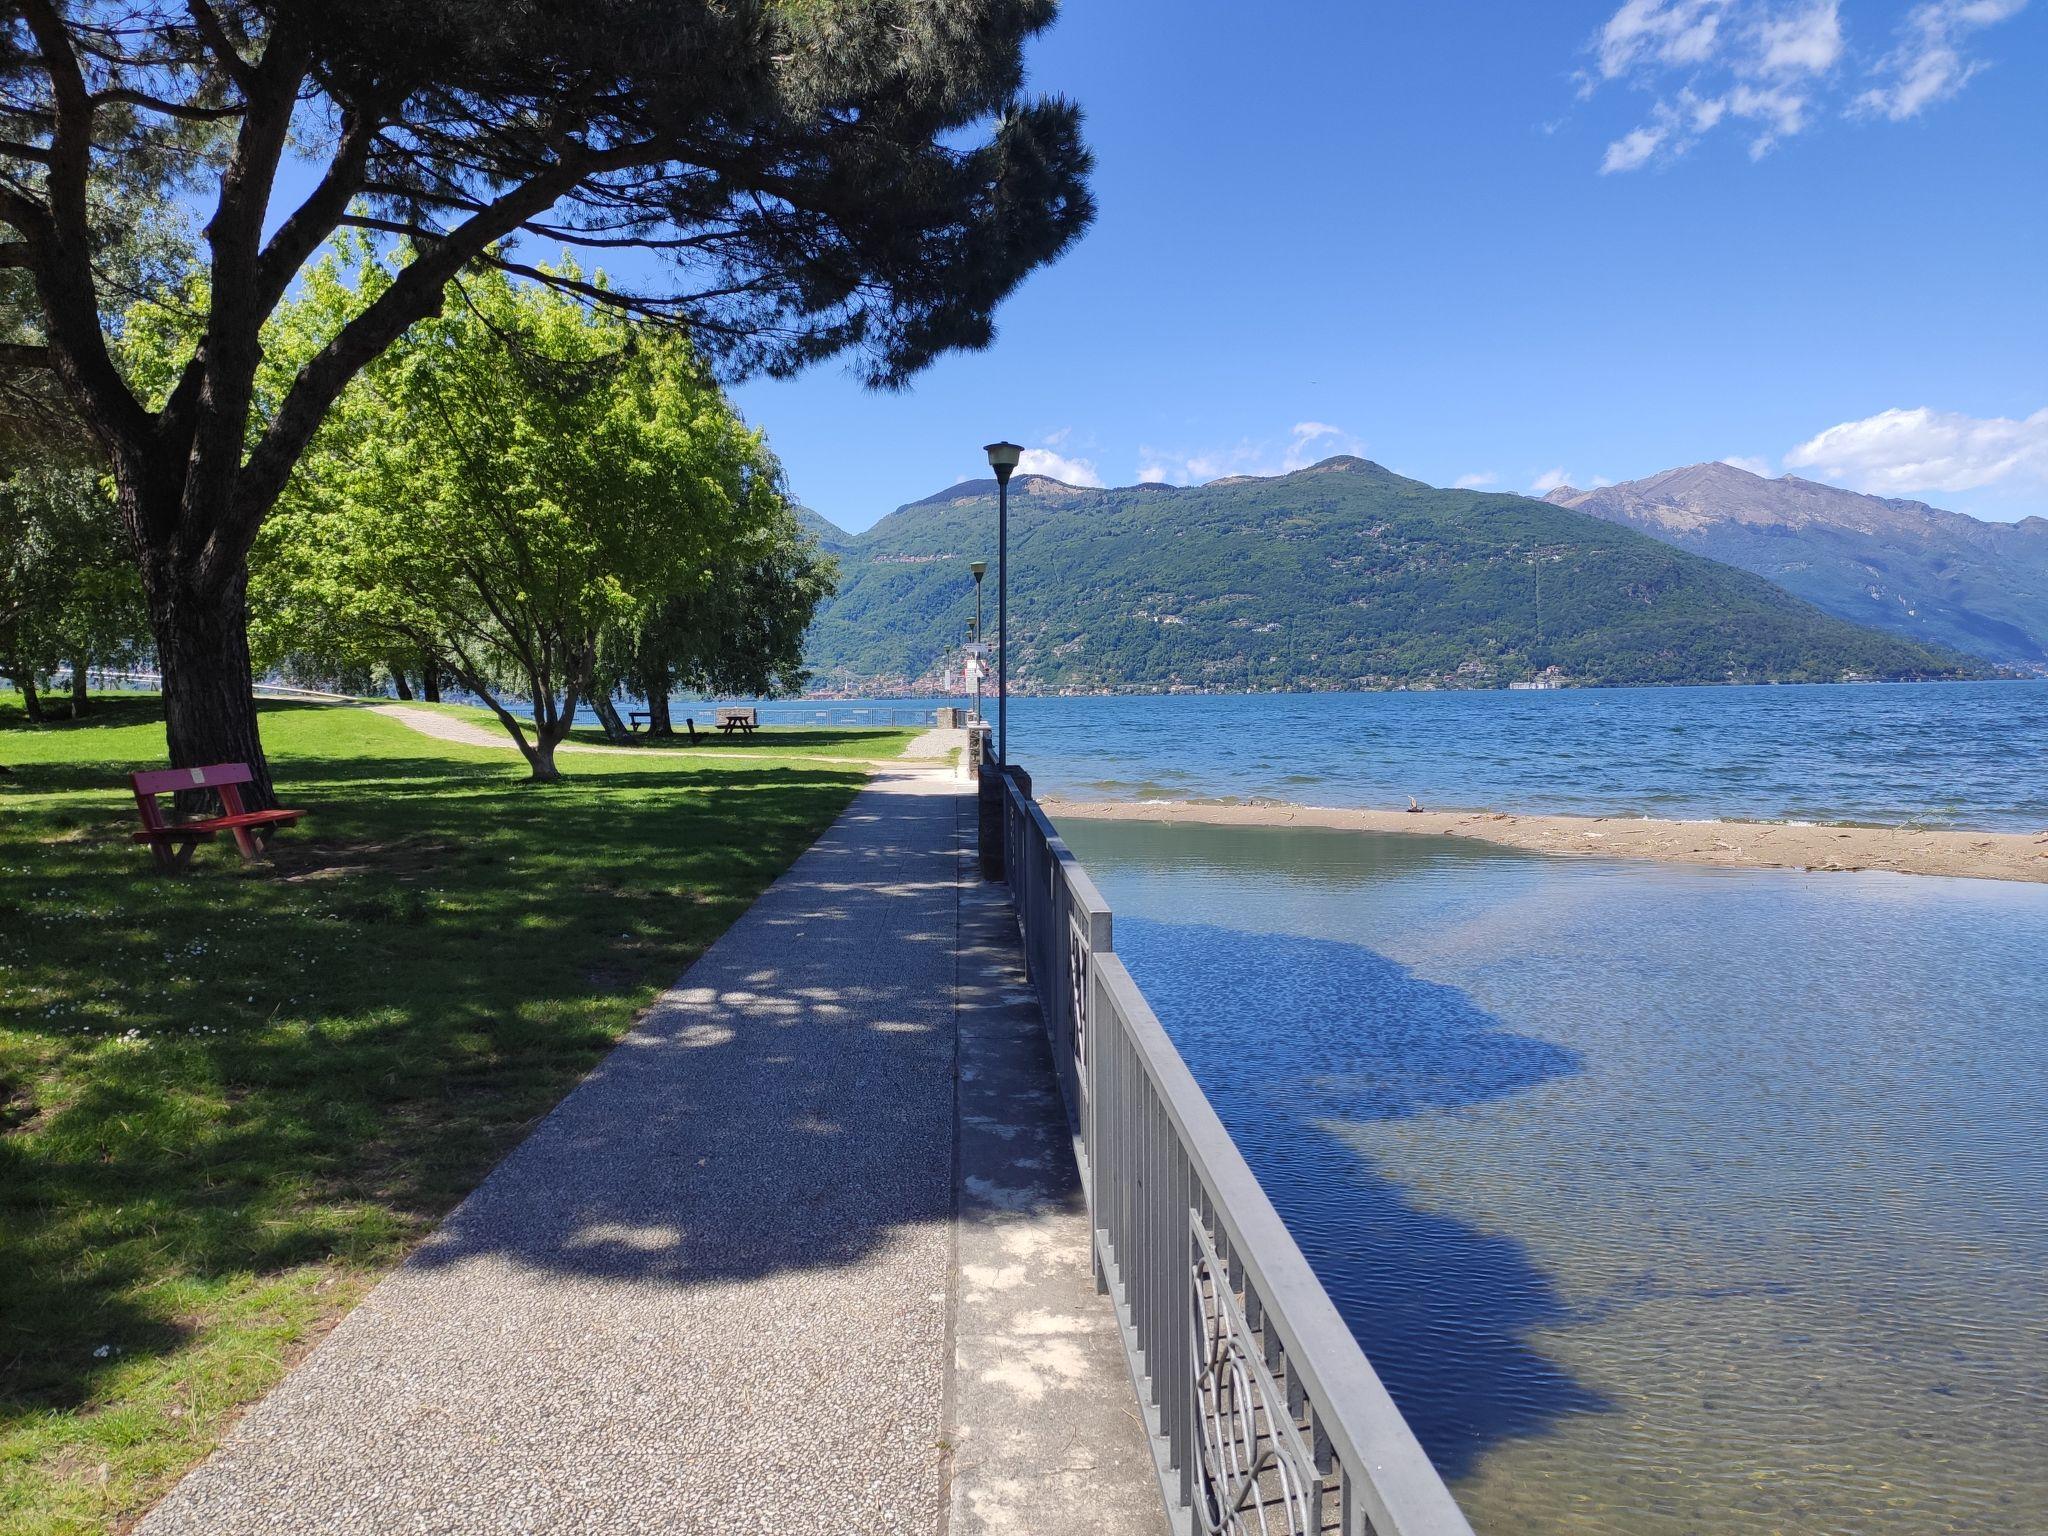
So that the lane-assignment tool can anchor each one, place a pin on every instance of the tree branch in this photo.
(182, 110)
(219, 44)
(416, 292)
(302, 231)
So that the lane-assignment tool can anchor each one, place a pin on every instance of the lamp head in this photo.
(980, 569)
(1002, 458)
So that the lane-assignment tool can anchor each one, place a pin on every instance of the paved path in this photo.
(716, 1289)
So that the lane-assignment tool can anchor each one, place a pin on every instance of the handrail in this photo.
(1264, 1413)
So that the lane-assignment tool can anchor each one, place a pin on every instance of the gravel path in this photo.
(709, 1292)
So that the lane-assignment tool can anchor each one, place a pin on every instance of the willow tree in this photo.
(808, 177)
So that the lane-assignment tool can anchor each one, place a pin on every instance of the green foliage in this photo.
(742, 633)
(518, 481)
(1340, 576)
(229, 1101)
(68, 589)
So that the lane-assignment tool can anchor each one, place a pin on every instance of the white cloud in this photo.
(1043, 461)
(1929, 64)
(1742, 461)
(1807, 41)
(1549, 481)
(1661, 32)
(1633, 150)
(1901, 452)
(1307, 442)
(1476, 481)
(1314, 440)
(1774, 64)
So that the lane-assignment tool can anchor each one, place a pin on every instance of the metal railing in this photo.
(1264, 1413)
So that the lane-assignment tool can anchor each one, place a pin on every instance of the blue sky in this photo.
(1516, 241)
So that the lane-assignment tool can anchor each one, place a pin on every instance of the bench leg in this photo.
(173, 855)
(246, 843)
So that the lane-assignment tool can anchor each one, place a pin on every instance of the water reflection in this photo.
(1443, 1309)
(1667, 1201)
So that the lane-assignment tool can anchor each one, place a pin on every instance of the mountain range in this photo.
(1901, 566)
(1340, 575)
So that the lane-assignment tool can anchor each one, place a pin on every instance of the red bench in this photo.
(173, 841)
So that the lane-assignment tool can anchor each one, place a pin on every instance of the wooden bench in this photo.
(173, 841)
(730, 720)
(637, 721)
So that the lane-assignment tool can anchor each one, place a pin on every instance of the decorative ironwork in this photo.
(1077, 988)
(1253, 1473)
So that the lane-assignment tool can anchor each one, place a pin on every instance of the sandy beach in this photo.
(1742, 844)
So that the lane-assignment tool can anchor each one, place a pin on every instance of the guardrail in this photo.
(1264, 1413)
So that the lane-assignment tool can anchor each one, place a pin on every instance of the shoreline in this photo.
(2021, 856)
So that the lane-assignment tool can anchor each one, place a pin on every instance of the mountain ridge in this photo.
(1900, 565)
(1339, 574)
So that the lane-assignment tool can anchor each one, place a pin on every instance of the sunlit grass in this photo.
(229, 1100)
(868, 743)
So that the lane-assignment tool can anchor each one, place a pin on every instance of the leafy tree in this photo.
(68, 592)
(815, 176)
(739, 633)
(516, 480)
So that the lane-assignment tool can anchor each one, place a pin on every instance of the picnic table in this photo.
(742, 720)
(172, 842)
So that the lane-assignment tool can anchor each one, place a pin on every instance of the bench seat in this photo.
(215, 824)
(172, 842)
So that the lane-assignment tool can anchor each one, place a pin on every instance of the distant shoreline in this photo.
(1734, 844)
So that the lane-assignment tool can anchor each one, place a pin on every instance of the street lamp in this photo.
(980, 569)
(1002, 458)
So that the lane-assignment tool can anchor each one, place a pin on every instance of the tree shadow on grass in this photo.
(1296, 1039)
(320, 1067)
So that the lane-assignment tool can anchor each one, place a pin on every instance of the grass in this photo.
(229, 1101)
(866, 743)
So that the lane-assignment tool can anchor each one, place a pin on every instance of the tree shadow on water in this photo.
(1291, 1037)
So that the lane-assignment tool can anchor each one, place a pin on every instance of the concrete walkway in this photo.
(748, 1277)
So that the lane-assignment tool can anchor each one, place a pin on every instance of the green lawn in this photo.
(228, 1101)
(867, 743)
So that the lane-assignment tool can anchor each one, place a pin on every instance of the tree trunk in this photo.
(81, 690)
(540, 758)
(654, 682)
(398, 681)
(430, 679)
(31, 701)
(202, 650)
(608, 717)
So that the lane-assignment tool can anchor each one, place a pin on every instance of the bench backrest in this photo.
(220, 777)
(172, 781)
(746, 715)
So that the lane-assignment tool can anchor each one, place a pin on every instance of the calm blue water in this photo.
(1961, 754)
(1667, 1201)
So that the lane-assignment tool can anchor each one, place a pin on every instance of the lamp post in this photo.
(1002, 458)
(980, 569)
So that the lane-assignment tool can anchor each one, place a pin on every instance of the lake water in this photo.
(1667, 1201)
(1966, 754)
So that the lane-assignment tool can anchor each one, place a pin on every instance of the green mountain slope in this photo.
(1901, 566)
(1343, 575)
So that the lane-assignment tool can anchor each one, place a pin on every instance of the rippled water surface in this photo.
(1667, 1201)
(1967, 754)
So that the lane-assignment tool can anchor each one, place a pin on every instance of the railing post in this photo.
(988, 797)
